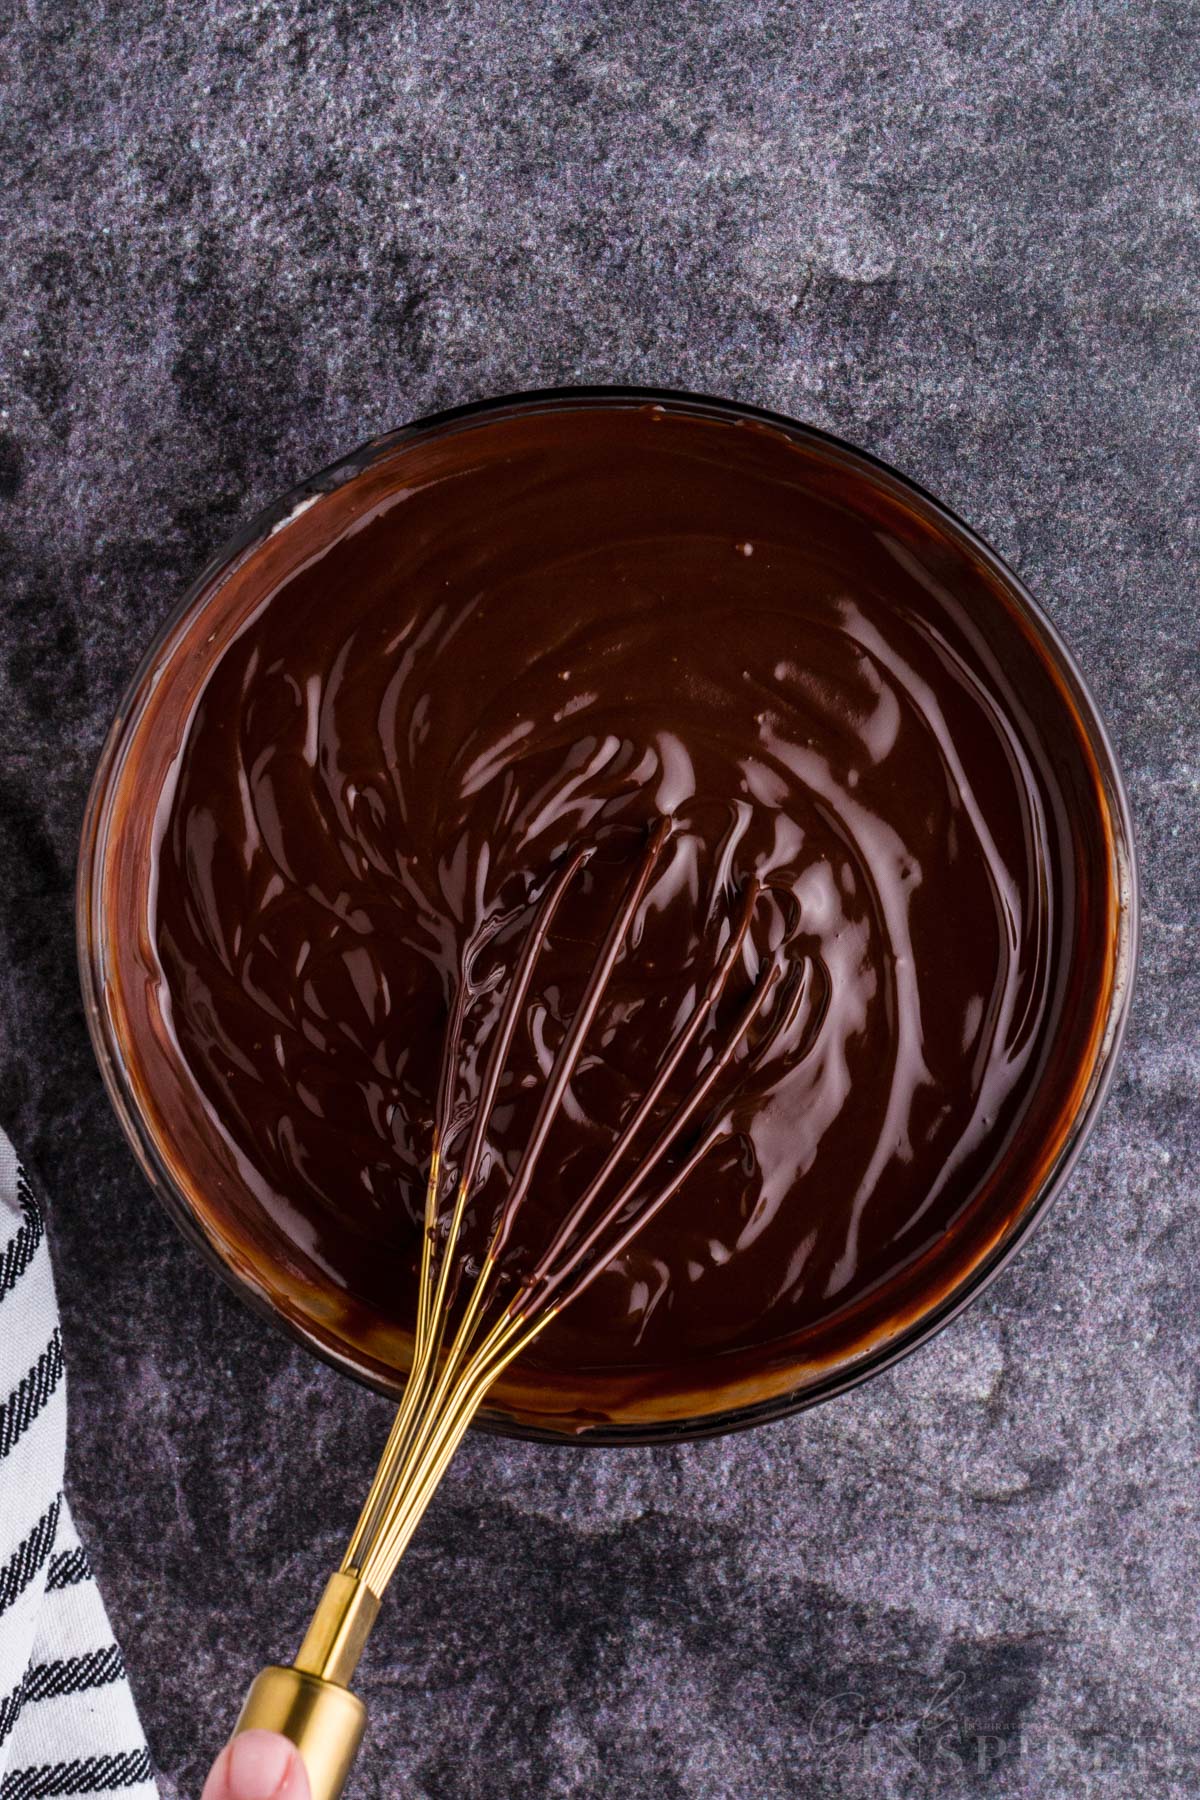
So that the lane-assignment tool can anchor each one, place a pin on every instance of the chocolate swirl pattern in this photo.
(556, 629)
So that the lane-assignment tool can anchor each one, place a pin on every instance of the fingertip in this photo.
(257, 1765)
(295, 1781)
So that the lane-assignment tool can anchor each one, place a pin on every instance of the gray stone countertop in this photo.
(240, 237)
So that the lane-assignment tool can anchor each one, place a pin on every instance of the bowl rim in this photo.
(274, 516)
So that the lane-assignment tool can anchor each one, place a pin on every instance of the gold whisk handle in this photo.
(310, 1703)
(323, 1720)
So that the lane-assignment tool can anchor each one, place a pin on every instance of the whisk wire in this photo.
(680, 1044)
(668, 1137)
(563, 1067)
(437, 1259)
(455, 1364)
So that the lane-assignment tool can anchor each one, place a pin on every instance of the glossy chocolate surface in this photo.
(556, 627)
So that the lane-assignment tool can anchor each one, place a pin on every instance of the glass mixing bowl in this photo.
(301, 1307)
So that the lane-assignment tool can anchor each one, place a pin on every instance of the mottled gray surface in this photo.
(239, 237)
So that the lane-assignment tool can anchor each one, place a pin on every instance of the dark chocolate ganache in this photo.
(532, 630)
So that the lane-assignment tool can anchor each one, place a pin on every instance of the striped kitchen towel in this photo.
(67, 1718)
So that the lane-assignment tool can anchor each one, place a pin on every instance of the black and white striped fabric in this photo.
(67, 1718)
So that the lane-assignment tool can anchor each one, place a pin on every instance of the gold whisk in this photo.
(455, 1363)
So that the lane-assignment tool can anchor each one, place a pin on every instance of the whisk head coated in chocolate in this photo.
(465, 1336)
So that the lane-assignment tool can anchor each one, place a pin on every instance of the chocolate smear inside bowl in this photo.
(381, 721)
